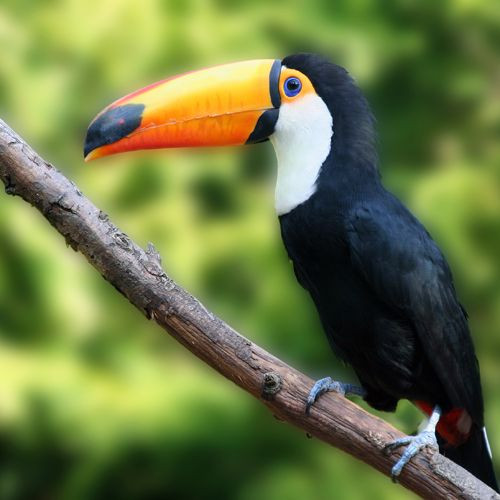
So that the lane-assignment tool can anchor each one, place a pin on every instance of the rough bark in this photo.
(138, 275)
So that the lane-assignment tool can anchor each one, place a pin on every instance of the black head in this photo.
(354, 136)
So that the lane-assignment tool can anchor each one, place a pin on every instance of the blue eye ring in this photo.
(292, 86)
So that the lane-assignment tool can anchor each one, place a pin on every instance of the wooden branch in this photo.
(138, 275)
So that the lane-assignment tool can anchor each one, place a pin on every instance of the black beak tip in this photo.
(87, 147)
(112, 125)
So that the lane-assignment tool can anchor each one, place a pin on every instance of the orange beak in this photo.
(224, 105)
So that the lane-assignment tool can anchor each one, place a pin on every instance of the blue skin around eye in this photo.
(294, 91)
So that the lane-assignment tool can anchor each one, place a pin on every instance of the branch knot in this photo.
(271, 384)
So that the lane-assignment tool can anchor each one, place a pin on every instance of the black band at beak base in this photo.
(265, 124)
(274, 83)
(264, 127)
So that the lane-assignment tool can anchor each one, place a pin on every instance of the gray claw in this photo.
(425, 439)
(320, 387)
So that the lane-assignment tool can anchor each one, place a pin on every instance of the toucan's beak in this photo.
(224, 105)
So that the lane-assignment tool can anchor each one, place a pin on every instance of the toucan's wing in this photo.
(407, 271)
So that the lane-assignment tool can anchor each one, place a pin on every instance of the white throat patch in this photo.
(302, 141)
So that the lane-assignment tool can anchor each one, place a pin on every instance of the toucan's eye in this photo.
(292, 86)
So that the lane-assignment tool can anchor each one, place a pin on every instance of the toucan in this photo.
(383, 289)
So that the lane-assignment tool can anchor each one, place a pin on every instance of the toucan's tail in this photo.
(473, 455)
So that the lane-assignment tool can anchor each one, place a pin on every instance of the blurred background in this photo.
(96, 402)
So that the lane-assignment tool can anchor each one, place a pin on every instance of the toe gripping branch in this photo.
(327, 384)
(425, 438)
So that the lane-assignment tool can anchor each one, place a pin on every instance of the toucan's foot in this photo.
(425, 439)
(327, 384)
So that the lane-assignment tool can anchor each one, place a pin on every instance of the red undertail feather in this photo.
(454, 426)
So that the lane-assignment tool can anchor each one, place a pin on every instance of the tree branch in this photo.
(138, 275)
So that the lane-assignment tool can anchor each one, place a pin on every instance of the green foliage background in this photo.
(95, 402)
